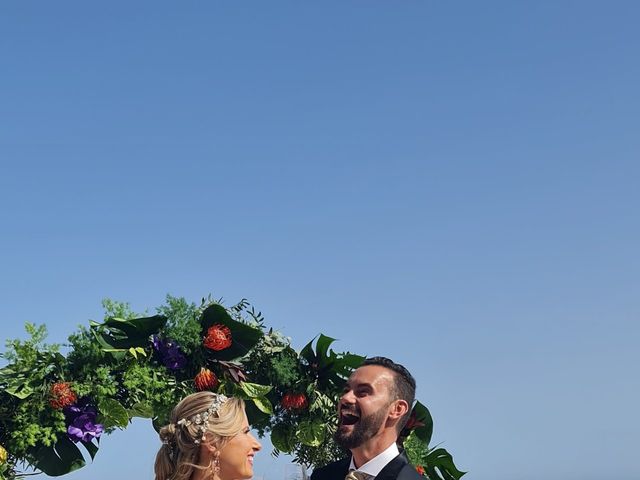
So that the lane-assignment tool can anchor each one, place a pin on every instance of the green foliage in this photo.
(183, 323)
(27, 420)
(140, 365)
(440, 465)
(437, 462)
(416, 450)
(116, 309)
(112, 413)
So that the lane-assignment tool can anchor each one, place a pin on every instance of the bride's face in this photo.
(236, 457)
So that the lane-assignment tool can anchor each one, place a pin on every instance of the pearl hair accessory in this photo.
(202, 419)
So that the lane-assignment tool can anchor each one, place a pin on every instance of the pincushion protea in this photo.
(61, 395)
(294, 401)
(218, 337)
(205, 380)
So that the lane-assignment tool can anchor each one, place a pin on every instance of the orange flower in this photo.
(62, 395)
(294, 401)
(205, 380)
(420, 469)
(218, 337)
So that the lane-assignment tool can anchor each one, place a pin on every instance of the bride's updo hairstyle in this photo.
(203, 417)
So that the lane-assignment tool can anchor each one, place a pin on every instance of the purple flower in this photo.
(169, 352)
(81, 421)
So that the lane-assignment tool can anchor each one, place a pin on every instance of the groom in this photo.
(372, 411)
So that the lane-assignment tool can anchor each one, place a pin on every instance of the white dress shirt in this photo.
(377, 463)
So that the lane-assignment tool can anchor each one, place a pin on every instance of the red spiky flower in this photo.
(420, 469)
(294, 401)
(413, 422)
(218, 337)
(61, 395)
(205, 380)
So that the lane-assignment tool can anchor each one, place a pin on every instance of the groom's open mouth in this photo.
(348, 418)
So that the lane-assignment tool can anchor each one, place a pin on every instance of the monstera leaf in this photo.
(60, 459)
(422, 423)
(117, 336)
(329, 367)
(440, 466)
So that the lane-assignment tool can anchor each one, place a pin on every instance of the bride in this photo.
(208, 438)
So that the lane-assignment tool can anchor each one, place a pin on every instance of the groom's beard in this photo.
(365, 429)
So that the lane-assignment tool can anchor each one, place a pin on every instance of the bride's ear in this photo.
(210, 447)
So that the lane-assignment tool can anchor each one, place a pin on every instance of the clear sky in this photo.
(451, 184)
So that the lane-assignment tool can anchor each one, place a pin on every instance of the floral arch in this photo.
(54, 406)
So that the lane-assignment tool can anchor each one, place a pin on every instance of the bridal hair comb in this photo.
(202, 419)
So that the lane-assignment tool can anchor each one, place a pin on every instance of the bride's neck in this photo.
(204, 475)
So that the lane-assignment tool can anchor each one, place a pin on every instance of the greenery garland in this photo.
(141, 366)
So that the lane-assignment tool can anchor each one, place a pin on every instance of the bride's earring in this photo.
(216, 463)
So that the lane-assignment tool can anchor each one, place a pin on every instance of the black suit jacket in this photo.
(397, 469)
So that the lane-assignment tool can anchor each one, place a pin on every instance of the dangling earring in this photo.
(216, 464)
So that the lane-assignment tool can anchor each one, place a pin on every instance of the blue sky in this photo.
(451, 184)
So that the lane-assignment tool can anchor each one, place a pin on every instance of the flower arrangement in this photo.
(53, 405)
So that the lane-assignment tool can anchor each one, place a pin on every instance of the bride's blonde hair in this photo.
(179, 455)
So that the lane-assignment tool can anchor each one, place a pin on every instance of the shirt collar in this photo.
(377, 463)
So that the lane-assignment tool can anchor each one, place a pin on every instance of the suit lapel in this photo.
(392, 469)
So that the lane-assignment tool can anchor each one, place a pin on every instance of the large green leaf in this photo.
(62, 458)
(254, 390)
(321, 356)
(19, 391)
(311, 432)
(142, 410)
(113, 414)
(283, 438)
(307, 352)
(243, 337)
(92, 448)
(322, 348)
(442, 460)
(423, 432)
(263, 404)
(118, 334)
(330, 368)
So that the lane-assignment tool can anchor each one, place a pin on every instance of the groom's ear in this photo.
(399, 409)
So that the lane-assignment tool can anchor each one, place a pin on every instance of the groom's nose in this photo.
(347, 397)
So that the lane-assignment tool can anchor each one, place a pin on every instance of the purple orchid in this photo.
(81, 422)
(169, 352)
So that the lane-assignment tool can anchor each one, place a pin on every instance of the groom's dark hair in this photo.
(404, 385)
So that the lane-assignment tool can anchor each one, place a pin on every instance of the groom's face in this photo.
(364, 405)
